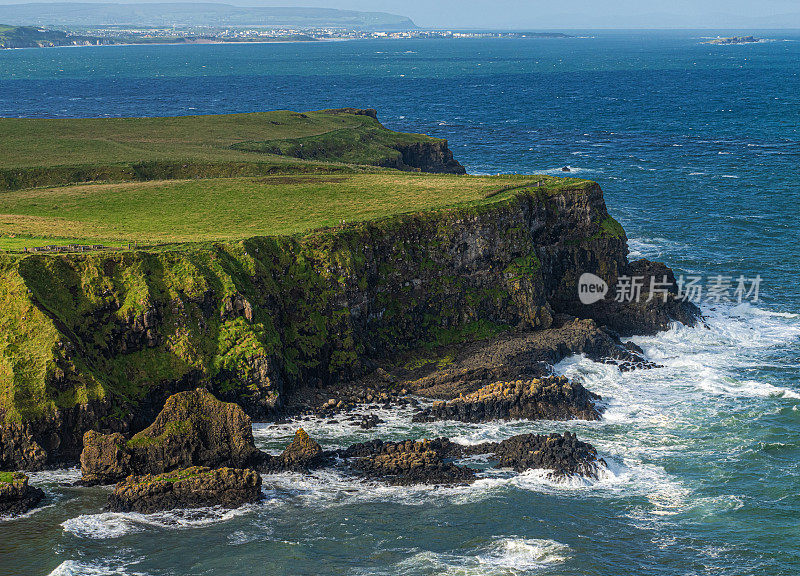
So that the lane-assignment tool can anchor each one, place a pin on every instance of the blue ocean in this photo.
(697, 148)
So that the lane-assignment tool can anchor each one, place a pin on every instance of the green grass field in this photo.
(55, 152)
(233, 208)
(94, 141)
(203, 178)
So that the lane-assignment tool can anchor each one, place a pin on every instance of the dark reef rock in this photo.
(564, 455)
(302, 454)
(430, 461)
(186, 488)
(193, 429)
(523, 356)
(541, 399)
(409, 462)
(16, 496)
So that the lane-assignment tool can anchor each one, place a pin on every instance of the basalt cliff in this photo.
(99, 341)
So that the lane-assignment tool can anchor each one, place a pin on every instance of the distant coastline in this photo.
(17, 37)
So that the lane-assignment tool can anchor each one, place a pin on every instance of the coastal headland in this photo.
(291, 263)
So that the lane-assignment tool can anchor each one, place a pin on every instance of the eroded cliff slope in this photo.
(99, 340)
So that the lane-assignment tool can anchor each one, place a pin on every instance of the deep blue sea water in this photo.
(697, 148)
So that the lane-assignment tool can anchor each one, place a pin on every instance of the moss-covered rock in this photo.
(186, 488)
(303, 453)
(16, 496)
(194, 428)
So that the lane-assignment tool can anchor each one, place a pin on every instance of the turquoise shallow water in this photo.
(697, 149)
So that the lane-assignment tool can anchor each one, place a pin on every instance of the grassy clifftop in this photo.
(235, 208)
(45, 152)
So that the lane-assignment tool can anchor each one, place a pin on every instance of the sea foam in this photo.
(116, 524)
(504, 555)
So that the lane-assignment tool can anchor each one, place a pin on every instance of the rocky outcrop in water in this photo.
(106, 458)
(16, 495)
(564, 455)
(302, 454)
(554, 398)
(186, 488)
(408, 462)
(431, 461)
(648, 312)
(193, 429)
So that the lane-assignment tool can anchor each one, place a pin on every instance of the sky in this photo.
(563, 14)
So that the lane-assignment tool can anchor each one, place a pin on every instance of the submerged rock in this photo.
(409, 462)
(553, 398)
(186, 488)
(193, 429)
(16, 496)
(564, 455)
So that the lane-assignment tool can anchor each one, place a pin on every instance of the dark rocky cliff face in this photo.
(433, 157)
(108, 336)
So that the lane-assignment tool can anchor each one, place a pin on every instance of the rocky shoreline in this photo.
(199, 451)
(437, 304)
(454, 315)
(210, 458)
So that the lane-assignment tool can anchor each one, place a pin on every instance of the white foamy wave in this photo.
(506, 555)
(572, 170)
(116, 524)
(332, 487)
(57, 476)
(697, 361)
(615, 476)
(641, 248)
(240, 537)
(105, 568)
(28, 514)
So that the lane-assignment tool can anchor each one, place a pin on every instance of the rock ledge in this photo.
(187, 488)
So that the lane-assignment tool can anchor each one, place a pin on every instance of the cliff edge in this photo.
(100, 340)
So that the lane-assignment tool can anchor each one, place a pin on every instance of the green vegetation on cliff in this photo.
(262, 265)
(33, 37)
(248, 313)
